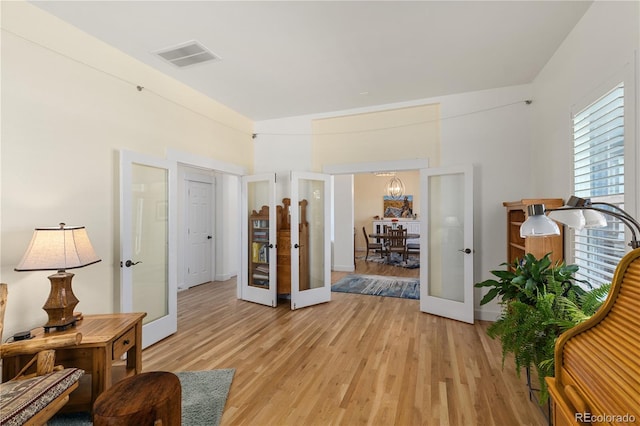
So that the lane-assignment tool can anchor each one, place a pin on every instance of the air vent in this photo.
(187, 54)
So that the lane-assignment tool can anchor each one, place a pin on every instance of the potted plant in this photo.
(540, 300)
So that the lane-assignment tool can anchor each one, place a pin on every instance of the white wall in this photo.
(343, 222)
(69, 104)
(489, 129)
(521, 150)
(600, 52)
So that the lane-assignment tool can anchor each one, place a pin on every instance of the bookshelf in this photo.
(517, 246)
(259, 248)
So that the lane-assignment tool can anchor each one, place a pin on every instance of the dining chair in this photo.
(397, 242)
(413, 248)
(371, 246)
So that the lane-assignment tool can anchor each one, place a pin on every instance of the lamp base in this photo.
(61, 302)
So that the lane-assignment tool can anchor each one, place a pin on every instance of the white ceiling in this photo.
(289, 58)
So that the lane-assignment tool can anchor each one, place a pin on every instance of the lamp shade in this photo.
(594, 219)
(61, 248)
(572, 218)
(538, 224)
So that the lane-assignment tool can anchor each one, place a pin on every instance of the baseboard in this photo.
(343, 268)
(484, 315)
(224, 277)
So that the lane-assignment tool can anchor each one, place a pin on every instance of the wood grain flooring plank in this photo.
(357, 360)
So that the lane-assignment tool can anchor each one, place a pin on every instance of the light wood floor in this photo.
(355, 360)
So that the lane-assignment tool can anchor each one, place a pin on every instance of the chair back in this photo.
(366, 237)
(397, 238)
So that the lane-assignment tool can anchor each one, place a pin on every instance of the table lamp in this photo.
(58, 249)
(578, 213)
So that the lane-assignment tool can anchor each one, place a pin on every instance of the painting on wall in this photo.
(399, 208)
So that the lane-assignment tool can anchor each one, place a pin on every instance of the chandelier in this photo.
(395, 188)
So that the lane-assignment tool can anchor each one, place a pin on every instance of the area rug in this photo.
(394, 259)
(379, 285)
(204, 394)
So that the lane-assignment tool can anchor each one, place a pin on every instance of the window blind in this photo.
(598, 135)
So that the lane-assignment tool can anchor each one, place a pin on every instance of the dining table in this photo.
(383, 235)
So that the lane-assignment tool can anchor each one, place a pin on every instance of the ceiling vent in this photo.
(187, 54)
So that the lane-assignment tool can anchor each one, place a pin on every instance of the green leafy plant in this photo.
(523, 279)
(540, 300)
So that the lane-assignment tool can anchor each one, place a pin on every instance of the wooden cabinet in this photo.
(259, 248)
(517, 246)
(284, 247)
(105, 340)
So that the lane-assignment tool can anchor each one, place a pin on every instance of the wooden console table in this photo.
(105, 340)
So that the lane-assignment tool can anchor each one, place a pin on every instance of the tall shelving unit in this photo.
(517, 246)
(259, 248)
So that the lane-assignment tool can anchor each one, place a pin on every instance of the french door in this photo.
(309, 242)
(446, 283)
(148, 277)
(258, 260)
(310, 239)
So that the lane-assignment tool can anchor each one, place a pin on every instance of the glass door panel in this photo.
(446, 284)
(150, 233)
(310, 239)
(259, 240)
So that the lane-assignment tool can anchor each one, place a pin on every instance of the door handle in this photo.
(129, 263)
(209, 237)
(270, 245)
(467, 250)
(296, 246)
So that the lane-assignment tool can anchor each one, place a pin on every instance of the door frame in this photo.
(225, 268)
(368, 167)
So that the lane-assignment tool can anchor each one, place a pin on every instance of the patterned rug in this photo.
(394, 259)
(379, 285)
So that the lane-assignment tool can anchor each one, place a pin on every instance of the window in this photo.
(598, 136)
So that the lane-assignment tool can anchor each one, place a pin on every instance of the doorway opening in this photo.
(358, 199)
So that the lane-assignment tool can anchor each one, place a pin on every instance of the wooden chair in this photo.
(371, 246)
(413, 248)
(41, 388)
(397, 242)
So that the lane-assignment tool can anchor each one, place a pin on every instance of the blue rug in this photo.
(378, 285)
(394, 259)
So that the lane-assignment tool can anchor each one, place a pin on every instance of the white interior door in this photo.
(198, 258)
(148, 243)
(446, 283)
(259, 236)
(310, 239)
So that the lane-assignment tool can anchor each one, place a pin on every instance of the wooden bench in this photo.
(41, 388)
